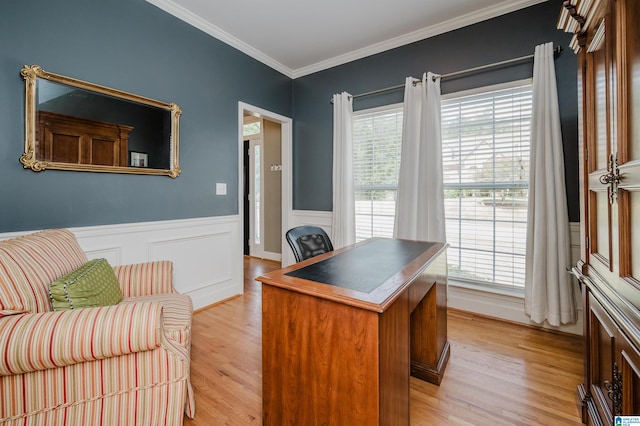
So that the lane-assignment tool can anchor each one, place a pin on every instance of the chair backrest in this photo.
(308, 241)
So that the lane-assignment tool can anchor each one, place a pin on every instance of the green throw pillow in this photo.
(93, 284)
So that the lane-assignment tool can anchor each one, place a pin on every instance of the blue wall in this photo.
(498, 39)
(133, 46)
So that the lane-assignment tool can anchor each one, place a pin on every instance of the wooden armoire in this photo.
(607, 42)
(75, 140)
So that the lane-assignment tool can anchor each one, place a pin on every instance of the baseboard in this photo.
(206, 252)
(500, 306)
(272, 256)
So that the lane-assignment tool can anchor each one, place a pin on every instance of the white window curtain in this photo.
(343, 223)
(548, 288)
(420, 200)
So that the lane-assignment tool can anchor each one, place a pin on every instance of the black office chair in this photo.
(308, 241)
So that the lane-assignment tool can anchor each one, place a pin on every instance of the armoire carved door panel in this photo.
(600, 139)
(627, 168)
(612, 145)
(629, 378)
(75, 140)
(607, 41)
(603, 348)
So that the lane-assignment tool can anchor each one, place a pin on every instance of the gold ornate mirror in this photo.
(71, 124)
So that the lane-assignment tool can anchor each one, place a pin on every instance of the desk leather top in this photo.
(365, 267)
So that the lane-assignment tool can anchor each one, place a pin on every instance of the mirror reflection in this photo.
(75, 125)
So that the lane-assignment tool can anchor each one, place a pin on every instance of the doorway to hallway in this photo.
(265, 202)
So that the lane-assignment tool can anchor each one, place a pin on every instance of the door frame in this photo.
(286, 124)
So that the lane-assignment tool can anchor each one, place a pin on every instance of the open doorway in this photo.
(265, 165)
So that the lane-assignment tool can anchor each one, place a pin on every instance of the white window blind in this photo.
(376, 160)
(485, 138)
(485, 146)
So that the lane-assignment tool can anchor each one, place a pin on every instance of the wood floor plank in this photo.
(499, 373)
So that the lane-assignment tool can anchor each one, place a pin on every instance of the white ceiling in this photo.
(299, 37)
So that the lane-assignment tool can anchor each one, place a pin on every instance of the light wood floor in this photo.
(498, 374)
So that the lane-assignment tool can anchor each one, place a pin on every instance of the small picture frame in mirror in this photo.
(139, 159)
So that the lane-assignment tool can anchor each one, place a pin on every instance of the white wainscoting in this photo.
(273, 256)
(504, 305)
(208, 266)
(206, 252)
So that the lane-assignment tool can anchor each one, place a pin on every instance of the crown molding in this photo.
(499, 9)
(424, 33)
(207, 27)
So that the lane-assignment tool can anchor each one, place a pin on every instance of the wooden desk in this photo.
(342, 332)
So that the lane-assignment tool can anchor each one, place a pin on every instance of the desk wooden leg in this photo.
(429, 326)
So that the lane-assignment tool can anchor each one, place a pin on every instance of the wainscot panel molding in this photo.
(502, 306)
(506, 305)
(206, 252)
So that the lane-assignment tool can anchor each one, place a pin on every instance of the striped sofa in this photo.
(126, 364)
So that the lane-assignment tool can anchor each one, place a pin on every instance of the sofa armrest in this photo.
(32, 342)
(144, 279)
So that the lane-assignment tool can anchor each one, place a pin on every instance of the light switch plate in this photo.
(221, 189)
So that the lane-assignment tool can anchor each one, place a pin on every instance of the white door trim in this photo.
(287, 162)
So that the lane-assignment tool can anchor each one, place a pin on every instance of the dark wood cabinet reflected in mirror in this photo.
(71, 124)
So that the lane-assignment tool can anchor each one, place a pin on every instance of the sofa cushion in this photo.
(28, 264)
(93, 284)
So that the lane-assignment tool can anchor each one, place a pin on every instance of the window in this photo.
(257, 197)
(485, 138)
(376, 161)
(252, 128)
(485, 149)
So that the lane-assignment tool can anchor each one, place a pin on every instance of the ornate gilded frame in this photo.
(34, 72)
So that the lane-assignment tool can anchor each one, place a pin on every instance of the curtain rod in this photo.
(556, 52)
